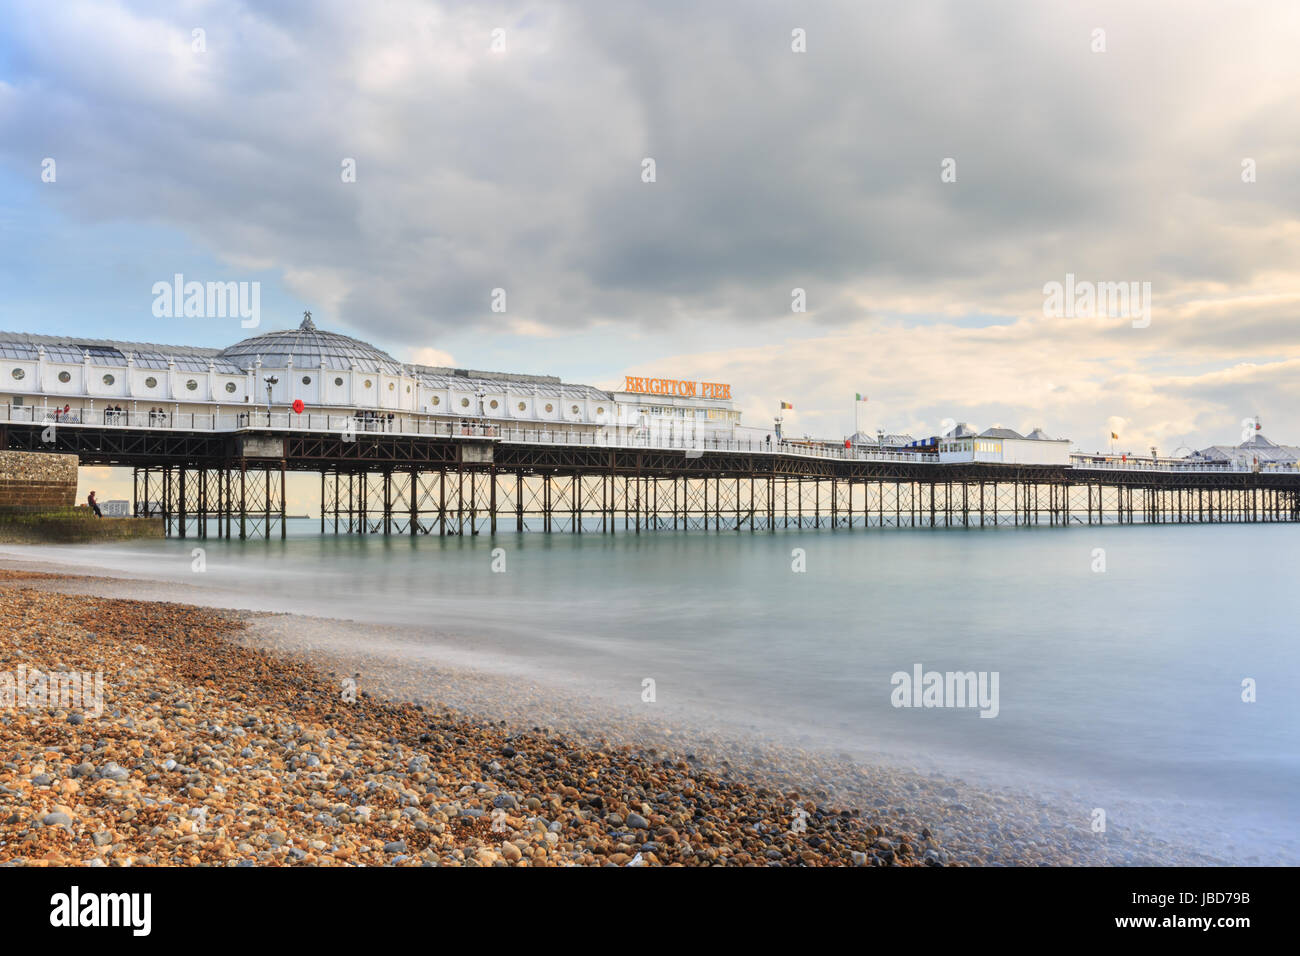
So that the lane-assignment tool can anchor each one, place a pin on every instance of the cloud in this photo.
(1097, 372)
(430, 356)
(521, 169)
(528, 328)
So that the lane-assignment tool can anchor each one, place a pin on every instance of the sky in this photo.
(921, 170)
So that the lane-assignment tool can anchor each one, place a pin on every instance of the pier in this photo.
(225, 476)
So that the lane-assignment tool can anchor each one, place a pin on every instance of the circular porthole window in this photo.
(600, 411)
(65, 377)
(192, 385)
(391, 386)
(493, 403)
(408, 390)
(18, 373)
(550, 407)
(575, 409)
(151, 382)
(368, 383)
(306, 379)
(108, 380)
(523, 406)
(464, 403)
(230, 387)
(338, 379)
(437, 400)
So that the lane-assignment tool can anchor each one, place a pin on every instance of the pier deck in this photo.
(225, 475)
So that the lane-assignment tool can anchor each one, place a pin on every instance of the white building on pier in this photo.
(1003, 446)
(142, 383)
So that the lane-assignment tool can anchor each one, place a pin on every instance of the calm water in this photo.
(1126, 681)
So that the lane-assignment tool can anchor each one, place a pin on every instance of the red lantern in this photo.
(298, 405)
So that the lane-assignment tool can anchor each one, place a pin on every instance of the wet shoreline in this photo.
(894, 814)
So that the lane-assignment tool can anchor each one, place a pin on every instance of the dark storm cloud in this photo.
(776, 170)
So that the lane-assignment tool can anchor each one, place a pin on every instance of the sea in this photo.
(1156, 666)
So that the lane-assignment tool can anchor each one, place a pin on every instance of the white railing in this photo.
(379, 423)
(1179, 465)
(611, 436)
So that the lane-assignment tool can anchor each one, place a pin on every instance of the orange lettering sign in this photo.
(682, 388)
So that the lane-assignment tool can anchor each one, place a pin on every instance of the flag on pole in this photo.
(1114, 436)
(785, 405)
(861, 397)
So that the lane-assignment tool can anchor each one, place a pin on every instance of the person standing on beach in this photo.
(94, 505)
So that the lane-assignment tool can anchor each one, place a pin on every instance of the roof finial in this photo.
(307, 324)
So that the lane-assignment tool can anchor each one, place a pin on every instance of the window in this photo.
(523, 406)
(191, 385)
(338, 379)
(391, 386)
(368, 383)
(550, 407)
(464, 403)
(108, 380)
(18, 373)
(230, 386)
(306, 379)
(151, 382)
(65, 377)
(436, 400)
(575, 409)
(600, 411)
(494, 403)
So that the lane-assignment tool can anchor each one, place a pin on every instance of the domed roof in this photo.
(309, 347)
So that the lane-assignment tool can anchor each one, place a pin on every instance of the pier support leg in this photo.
(519, 501)
(181, 496)
(415, 498)
(473, 477)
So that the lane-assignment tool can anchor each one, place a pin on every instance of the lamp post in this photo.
(271, 382)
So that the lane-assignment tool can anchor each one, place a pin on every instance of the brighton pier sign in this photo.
(678, 387)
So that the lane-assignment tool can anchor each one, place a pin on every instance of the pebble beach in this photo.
(231, 738)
